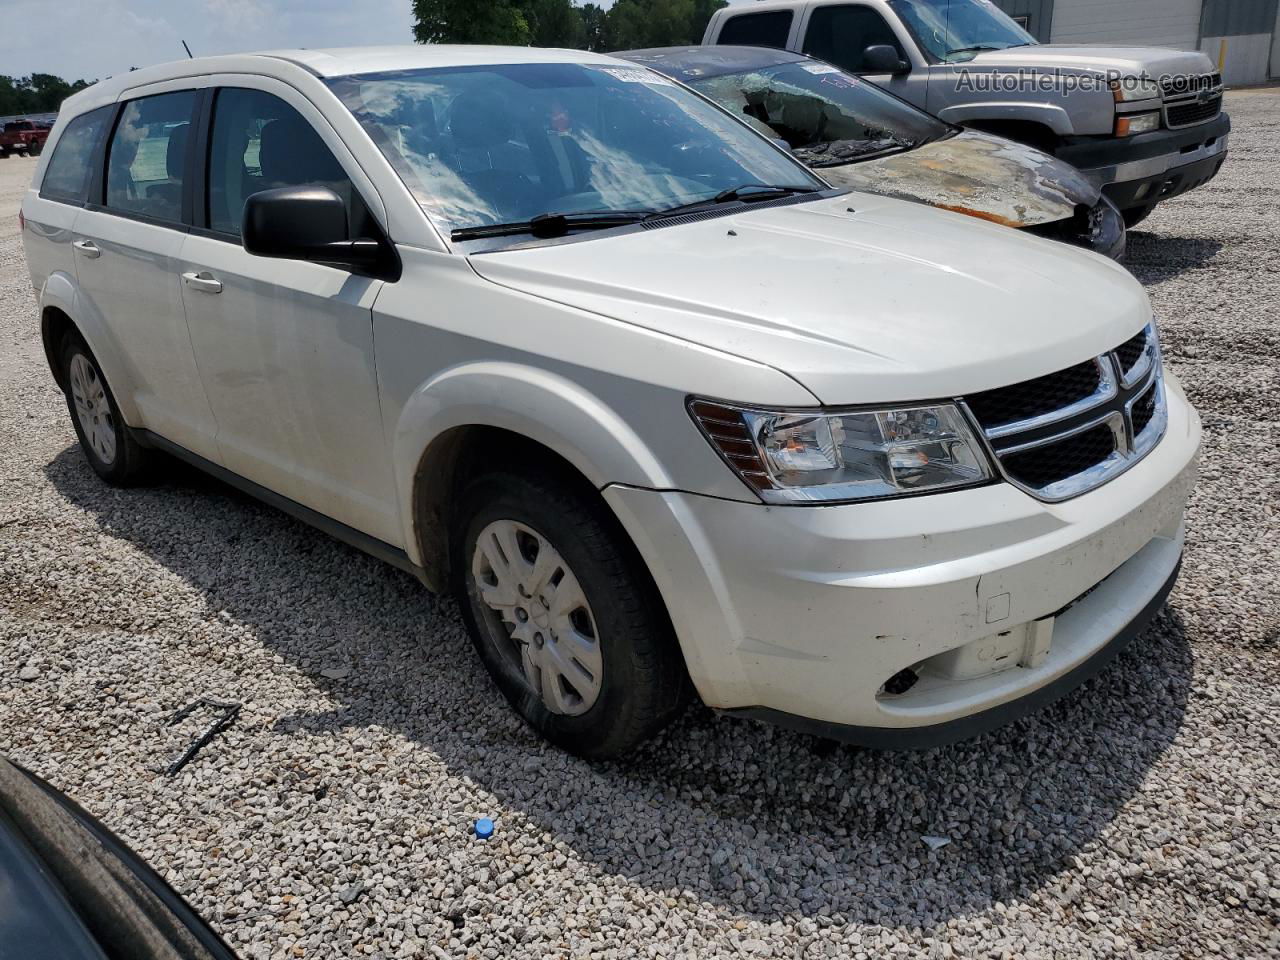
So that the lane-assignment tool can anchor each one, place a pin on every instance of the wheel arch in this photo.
(491, 412)
(1053, 120)
(58, 317)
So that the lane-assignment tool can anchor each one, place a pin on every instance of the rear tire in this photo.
(564, 614)
(106, 440)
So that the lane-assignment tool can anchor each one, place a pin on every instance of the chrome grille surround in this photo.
(1056, 441)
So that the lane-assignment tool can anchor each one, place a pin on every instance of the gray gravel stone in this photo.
(1139, 816)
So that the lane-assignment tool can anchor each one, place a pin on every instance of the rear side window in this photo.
(841, 35)
(147, 159)
(768, 29)
(259, 142)
(67, 176)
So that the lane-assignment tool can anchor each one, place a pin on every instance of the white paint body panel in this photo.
(329, 390)
(861, 307)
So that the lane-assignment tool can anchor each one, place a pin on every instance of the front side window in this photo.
(953, 31)
(767, 29)
(826, 116)
(68, 174)
(259, 142)
(841, 35)
(147, 159)
(506, 143)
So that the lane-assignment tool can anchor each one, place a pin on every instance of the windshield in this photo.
(826, 116)
(507, 143)
(956, 30)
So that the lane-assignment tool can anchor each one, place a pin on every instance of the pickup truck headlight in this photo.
(1128, 124)
(1134, 88)
(822, 456)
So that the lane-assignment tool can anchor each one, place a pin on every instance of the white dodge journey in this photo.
(669, 415)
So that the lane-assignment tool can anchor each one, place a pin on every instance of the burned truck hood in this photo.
(1128, 61)
(977, 174)
(860, 298)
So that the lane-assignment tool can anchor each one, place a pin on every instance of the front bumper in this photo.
(1137, 171)
(1099, 228)
(801, 614)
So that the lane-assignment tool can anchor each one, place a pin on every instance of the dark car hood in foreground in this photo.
(70, 890)
(977, 174)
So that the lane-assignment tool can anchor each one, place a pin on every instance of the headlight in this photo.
(1128, 124)
(1134, 88)
(821, 456)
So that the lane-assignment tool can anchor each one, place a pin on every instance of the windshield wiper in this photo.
(978, 48)
(744, 193)
(548, 225)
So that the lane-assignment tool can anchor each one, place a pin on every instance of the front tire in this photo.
(564, 614)
(106, 440)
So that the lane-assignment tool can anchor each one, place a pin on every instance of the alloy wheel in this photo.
(92, 408)
(538, 615)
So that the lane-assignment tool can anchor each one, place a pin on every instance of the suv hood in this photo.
(861, 298)
(1155, 61)
(975, 173)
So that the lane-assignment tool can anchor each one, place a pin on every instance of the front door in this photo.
(285, 347)
(841, 33)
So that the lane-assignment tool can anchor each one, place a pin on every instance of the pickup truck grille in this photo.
(1191, 100)
(1189, 114)
(1066, 433)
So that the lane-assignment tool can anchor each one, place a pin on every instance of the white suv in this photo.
(667, 412)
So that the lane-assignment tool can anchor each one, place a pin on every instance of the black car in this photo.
(70, 890)
(859, 136)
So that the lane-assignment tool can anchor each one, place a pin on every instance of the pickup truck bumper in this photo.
(1138, 171)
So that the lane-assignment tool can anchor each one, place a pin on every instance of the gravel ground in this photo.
(1140, 816)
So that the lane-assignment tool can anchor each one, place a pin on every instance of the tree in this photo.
(37, 93)
(561, 23)
(470, 21)
(592, 26)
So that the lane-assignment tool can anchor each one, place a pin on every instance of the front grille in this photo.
(1060, 461)
(1192, 112)
(1034, 398)
(1130, 352)
(1144, 410)
(1060, 435)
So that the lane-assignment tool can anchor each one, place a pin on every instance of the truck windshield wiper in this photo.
(548, 225)
(980, 48)
(744, 193)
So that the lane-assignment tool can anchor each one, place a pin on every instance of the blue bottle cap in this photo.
(484, 828)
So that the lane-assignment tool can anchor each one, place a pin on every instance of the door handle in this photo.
(203, 281)
(88, 248)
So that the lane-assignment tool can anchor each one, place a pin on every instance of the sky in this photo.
(93, 39)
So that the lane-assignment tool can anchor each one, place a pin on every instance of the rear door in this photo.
(64, 188)
(128, 238)
(285, 347)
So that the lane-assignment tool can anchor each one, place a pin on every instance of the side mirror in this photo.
(883, 58)
(304, 223)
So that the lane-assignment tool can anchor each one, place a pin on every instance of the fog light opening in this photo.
(900, 682)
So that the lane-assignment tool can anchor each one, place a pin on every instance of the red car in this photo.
(23, 136)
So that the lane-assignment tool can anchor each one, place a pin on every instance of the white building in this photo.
(1242, 36)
